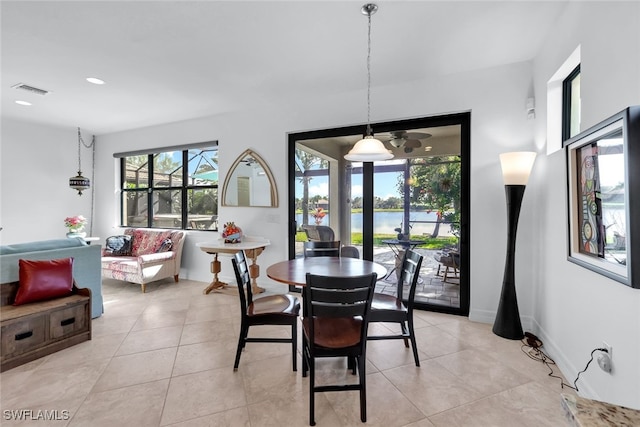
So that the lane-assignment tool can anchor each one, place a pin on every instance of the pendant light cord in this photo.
(369, 77)
(92, 145)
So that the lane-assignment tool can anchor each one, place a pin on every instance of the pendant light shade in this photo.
(79, 182)
(368, 149)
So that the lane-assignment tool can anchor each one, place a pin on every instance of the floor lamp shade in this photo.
(516, 168)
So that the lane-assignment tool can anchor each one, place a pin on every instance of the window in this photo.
(571, 104)
(173, 188)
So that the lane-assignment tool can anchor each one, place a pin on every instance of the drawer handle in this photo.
(68, 321)
(24, 335)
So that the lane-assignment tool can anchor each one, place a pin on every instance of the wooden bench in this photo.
(33, 330)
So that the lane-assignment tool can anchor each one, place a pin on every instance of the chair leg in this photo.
(414, 346)
(352, 364)
(312, 400)
(294, 348)
(363, 388)
(244, 330)
(305, 362)
(405, 333)
(144, 287)
(176, 278)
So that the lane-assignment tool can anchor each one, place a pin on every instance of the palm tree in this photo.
(307, 161)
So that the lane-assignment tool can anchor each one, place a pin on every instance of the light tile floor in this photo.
(166, 358)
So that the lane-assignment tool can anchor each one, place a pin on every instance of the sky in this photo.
(384, 186)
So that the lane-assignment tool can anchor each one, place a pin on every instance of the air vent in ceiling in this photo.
(30, 89)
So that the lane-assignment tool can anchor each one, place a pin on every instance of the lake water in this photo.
(385, 222)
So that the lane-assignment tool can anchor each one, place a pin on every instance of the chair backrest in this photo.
(344, 297)
(317, 249)
(349, 252)
(409, 273)
(319, 233)
(241, 268)
(326, 233)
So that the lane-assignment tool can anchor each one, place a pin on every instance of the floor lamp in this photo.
(516, 168)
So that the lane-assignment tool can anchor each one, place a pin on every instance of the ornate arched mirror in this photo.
(249, 183)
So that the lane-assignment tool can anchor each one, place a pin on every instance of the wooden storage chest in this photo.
(33, 330)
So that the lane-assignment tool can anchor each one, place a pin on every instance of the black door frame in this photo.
(464, 120)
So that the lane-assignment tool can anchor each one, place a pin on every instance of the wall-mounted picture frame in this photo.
(603, 179)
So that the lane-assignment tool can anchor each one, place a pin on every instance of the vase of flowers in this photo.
(231, 233)
(75, 225)
(318, 214)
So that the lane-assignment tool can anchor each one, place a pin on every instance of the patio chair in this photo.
(448, 260)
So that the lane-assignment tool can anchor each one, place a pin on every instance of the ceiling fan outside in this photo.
(408, 140)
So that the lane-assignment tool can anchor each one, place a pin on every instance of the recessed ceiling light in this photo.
(23, 103)
(428, 148)
(95, 81)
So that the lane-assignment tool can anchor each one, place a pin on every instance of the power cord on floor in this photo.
(533, 344)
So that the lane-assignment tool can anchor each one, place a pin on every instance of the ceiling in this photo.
(444, 141)
(166, 61)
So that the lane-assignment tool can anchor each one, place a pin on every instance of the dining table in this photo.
(294, 272)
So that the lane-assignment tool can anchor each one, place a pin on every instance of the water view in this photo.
(384, 222)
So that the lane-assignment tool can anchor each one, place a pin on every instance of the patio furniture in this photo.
(448, 260)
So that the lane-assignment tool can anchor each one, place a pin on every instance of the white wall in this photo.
(575, 308)
(36, 163)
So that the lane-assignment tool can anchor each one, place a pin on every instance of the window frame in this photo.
(152, 188)
(567, 111)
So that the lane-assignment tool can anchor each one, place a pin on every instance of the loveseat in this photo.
(86, 263)
(155, 254)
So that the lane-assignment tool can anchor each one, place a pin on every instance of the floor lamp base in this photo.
(508, 328)
(507, 323)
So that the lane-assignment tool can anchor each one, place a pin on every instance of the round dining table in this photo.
(294, 272)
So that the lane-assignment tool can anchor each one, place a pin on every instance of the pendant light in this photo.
(368, 149)
(79, 182)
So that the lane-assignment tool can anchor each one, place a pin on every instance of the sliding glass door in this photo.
(418, 200)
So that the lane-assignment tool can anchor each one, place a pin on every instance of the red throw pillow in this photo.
(42, 280)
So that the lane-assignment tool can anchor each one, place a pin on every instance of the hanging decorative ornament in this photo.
(79, 182)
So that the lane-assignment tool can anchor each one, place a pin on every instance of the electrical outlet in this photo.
(604, 359)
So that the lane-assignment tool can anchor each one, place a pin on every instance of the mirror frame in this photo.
(272, 182)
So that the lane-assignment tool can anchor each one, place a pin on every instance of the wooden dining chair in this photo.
(336, 312)
(269, 310)
(392, 308)
(317, 249)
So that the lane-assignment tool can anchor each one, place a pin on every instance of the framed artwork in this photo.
(603, 177)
